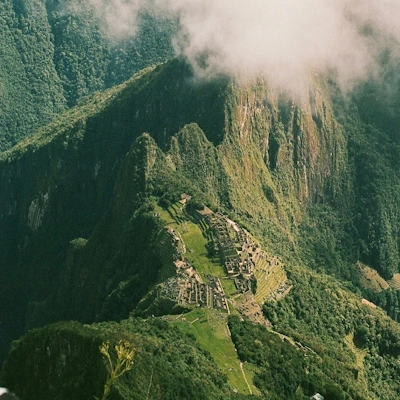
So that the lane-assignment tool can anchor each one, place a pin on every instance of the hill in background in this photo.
(55, 53)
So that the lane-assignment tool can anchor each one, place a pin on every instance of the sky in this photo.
(284, 41)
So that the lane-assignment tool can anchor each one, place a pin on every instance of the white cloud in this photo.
(119, 16)
(282, 40)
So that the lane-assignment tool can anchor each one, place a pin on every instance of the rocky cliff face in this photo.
(302, 139)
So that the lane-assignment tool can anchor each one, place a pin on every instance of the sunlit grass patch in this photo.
(211, 331)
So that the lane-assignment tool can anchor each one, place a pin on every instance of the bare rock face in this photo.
(300, 142)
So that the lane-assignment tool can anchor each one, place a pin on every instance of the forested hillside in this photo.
(56, 52)
(85, 200)
(168, 364)
(84, 149)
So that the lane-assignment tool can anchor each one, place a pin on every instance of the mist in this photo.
(284, 41)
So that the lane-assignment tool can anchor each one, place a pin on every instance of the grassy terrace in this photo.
(195, 242)
(229, 287)
(211, 331)
(209, 326)
(370, 279)
(197, 252)
(394, 283)
(167, 216)
(267, 284)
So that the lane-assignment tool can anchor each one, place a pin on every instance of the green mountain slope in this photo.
(168, 364)
(31, 91)
(47, 211)
(91, 216)
(54, 53)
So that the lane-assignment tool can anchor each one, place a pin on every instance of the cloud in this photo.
(119, 16)
(282, 40)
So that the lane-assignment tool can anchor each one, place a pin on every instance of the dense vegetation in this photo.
(316, 184)
(116, 257)
(360, 219)
(54, 53)
(346, 335)
(63, 361)
(284, 369)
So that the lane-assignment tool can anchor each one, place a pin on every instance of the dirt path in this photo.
(244, 376)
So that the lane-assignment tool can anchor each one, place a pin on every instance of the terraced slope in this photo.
(394, 283)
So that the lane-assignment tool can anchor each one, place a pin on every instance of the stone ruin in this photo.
(189, 290)
(186, 287)
(238, 253)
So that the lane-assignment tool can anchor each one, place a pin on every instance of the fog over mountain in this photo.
(284, 41)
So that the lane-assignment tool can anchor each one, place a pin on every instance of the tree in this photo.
(125, 353)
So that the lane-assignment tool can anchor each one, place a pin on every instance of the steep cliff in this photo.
(58, 185)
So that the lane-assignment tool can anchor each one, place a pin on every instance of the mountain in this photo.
(164, 366)
(162, 185)
(72, 213)
(56, 52)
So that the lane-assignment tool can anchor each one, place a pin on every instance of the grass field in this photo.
(195, 242)
(229, 287)
(166, 216)
(210, 329)
(197, 252)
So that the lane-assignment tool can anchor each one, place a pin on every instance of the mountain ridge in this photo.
(55, 53)
(80, 200)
